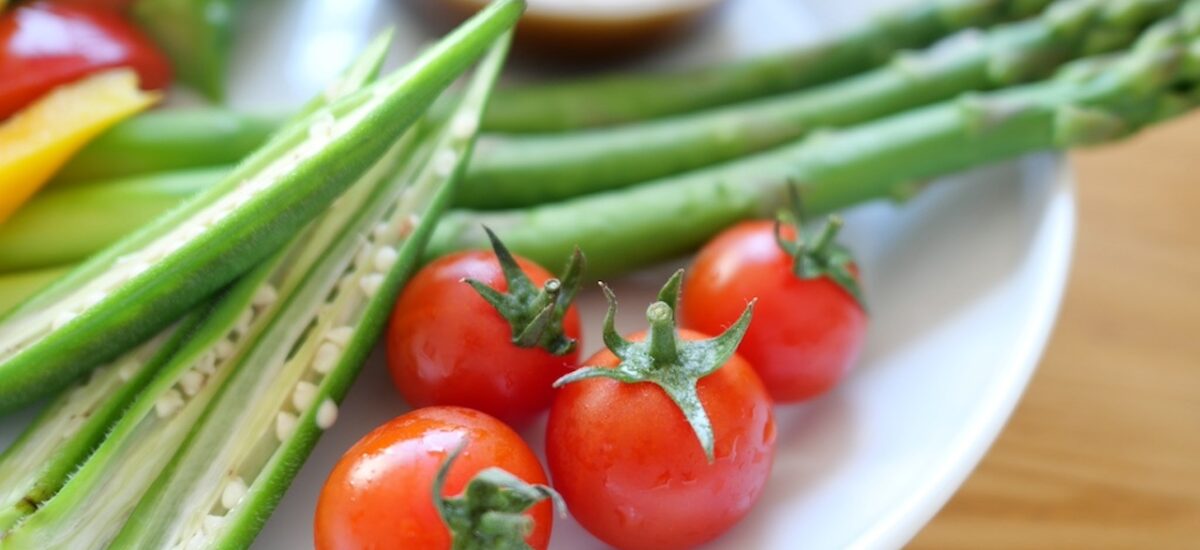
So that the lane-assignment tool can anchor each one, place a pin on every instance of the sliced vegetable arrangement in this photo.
(238, 268)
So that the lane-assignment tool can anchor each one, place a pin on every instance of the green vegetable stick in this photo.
(161, 141)
(220, 487)
(64, 224)
(50, 449)
(138, 286)
(1089, 102)
(67, 432)
(516, 171)
(619, 99)
(196, 35)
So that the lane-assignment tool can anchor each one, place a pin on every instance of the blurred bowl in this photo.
(595, 29)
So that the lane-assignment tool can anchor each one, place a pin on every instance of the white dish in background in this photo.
(964, 284)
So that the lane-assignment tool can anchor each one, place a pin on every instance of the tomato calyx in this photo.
(665, 360)
(535, 315)
(820, 257)
(490, 512)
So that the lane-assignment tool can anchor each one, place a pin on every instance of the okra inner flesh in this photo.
(27, 476)
(283, 386)
(143, 442)
(211, 221)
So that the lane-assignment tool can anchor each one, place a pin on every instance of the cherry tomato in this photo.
(380, 494)
(111, 5)
(806, 333)
(44, 45)
(632, 470)
(446, 345)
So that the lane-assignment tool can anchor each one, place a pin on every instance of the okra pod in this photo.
(136, 287)
(37, 464)
(515, 171)
(299, 370)
(70, 429)
(1090, 101)
(619, 99)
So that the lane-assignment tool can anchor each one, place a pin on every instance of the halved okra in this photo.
(36, 465)
(152, 278)
(66, 433)
(294, 334)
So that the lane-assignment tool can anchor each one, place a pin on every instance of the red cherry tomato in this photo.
(380, 494)
(806, 334)
(631, 469)
(447, 346)
(111, 5)
(44, 45)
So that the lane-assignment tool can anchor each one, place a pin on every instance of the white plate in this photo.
(964, 284)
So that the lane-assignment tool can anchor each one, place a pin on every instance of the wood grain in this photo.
(1104, 450)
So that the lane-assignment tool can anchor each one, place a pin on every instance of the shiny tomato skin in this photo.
(805, 335)
(379, 495)
(447, 346)
(44, 45)
(632, 471)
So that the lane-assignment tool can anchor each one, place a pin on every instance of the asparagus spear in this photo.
(1090, 101)
(108, 305)
(617, 99)
(515, 171)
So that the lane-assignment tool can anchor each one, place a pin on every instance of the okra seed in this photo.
(62, 319)
(191, 382)
(444, 162)
(125, 372)
(326, 357)
(224, 349)
(285, 425)
(94, 298)
(212, 524)
(265, 296)
(233, 493)
(322, 127)
(464, 125)
(303, 395)
(385, 258)
(242, 326)
(381, 232)
(168, 404)
(327, 414)
(340, 335)
(370, 284)
(206, 364)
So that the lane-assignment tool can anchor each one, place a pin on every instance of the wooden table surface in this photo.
(1104, 449)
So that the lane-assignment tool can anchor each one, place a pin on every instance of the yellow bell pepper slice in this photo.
(37, 141)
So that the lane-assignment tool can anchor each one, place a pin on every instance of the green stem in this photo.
(662, 342)
(618, 99)
(514, 171)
